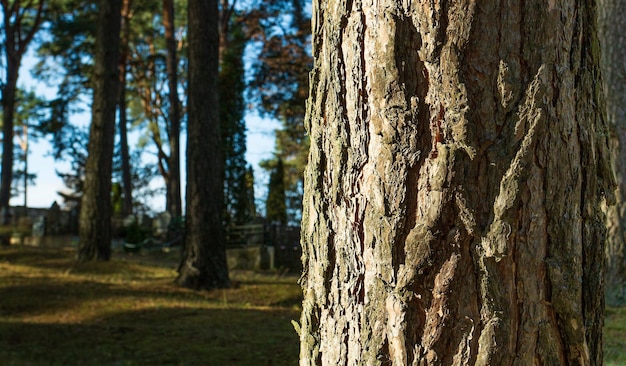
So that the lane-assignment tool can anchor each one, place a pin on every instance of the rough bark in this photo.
(95, 213)
(203, 265)
(612, 24)
(174, 203)
(458, 160)
(16, 40)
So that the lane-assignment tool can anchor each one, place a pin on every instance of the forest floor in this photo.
(55, 311)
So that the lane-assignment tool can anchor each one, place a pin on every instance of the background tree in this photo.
(612, 25)
(70, 45)
(280, 86)
(251, 210)
(29, 111)
(203, 265)
(126, 186)
(458, 160)
(233, 128)
(21, 21)
(151, 102)
(75, 152)
(65, 62)
(95, 213)
(276, 209)
(174, 204)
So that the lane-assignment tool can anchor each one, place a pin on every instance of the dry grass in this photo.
(54, 311)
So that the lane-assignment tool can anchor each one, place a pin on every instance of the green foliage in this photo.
(148, 88)
(74, 151)
(65, 53)
(232, 107)
(116, 199)
(134, 233)
(30, 109)
(280, 88)
(65, 61)
(275, 205)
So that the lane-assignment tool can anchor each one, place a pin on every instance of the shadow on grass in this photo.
(44, 258)
(64, 259)
(185, 336)
(54, 311)
(41, 296)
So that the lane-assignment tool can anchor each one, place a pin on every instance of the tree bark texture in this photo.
(174, 201)
(95, 213)
(203, 265)
(458, 159)
(612, 25)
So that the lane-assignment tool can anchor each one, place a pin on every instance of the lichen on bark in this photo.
(452, 198)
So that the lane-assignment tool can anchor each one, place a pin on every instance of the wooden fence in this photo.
(284, 239)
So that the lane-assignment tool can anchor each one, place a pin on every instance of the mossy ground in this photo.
(55, 311)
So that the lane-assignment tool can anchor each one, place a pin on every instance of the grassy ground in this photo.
(54, 311)
(615, 336)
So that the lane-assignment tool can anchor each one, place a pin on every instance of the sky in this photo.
(260, 146)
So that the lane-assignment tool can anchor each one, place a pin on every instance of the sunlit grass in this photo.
(55, 311)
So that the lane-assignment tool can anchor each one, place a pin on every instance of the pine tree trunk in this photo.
(203, 265)
(8, 112)
(612, 25)
(127, 207)
(173, 182)
(95, 213)
(452, 198)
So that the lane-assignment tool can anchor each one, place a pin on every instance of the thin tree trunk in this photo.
(127, 206)
(203, 265)
(612, 25)
(452, 197)
(95, 213)
(25, 148)
(174, 203)
(8, 112)
(16, 40)
(226, 12)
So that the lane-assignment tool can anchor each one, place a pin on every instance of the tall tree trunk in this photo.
(25, 148)
(226, 8)
(127, 206)
(95, 213)
(8, 112)
(174, 203)
(452, 197)
(612, 25)
(18, 36)
(203, 265)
